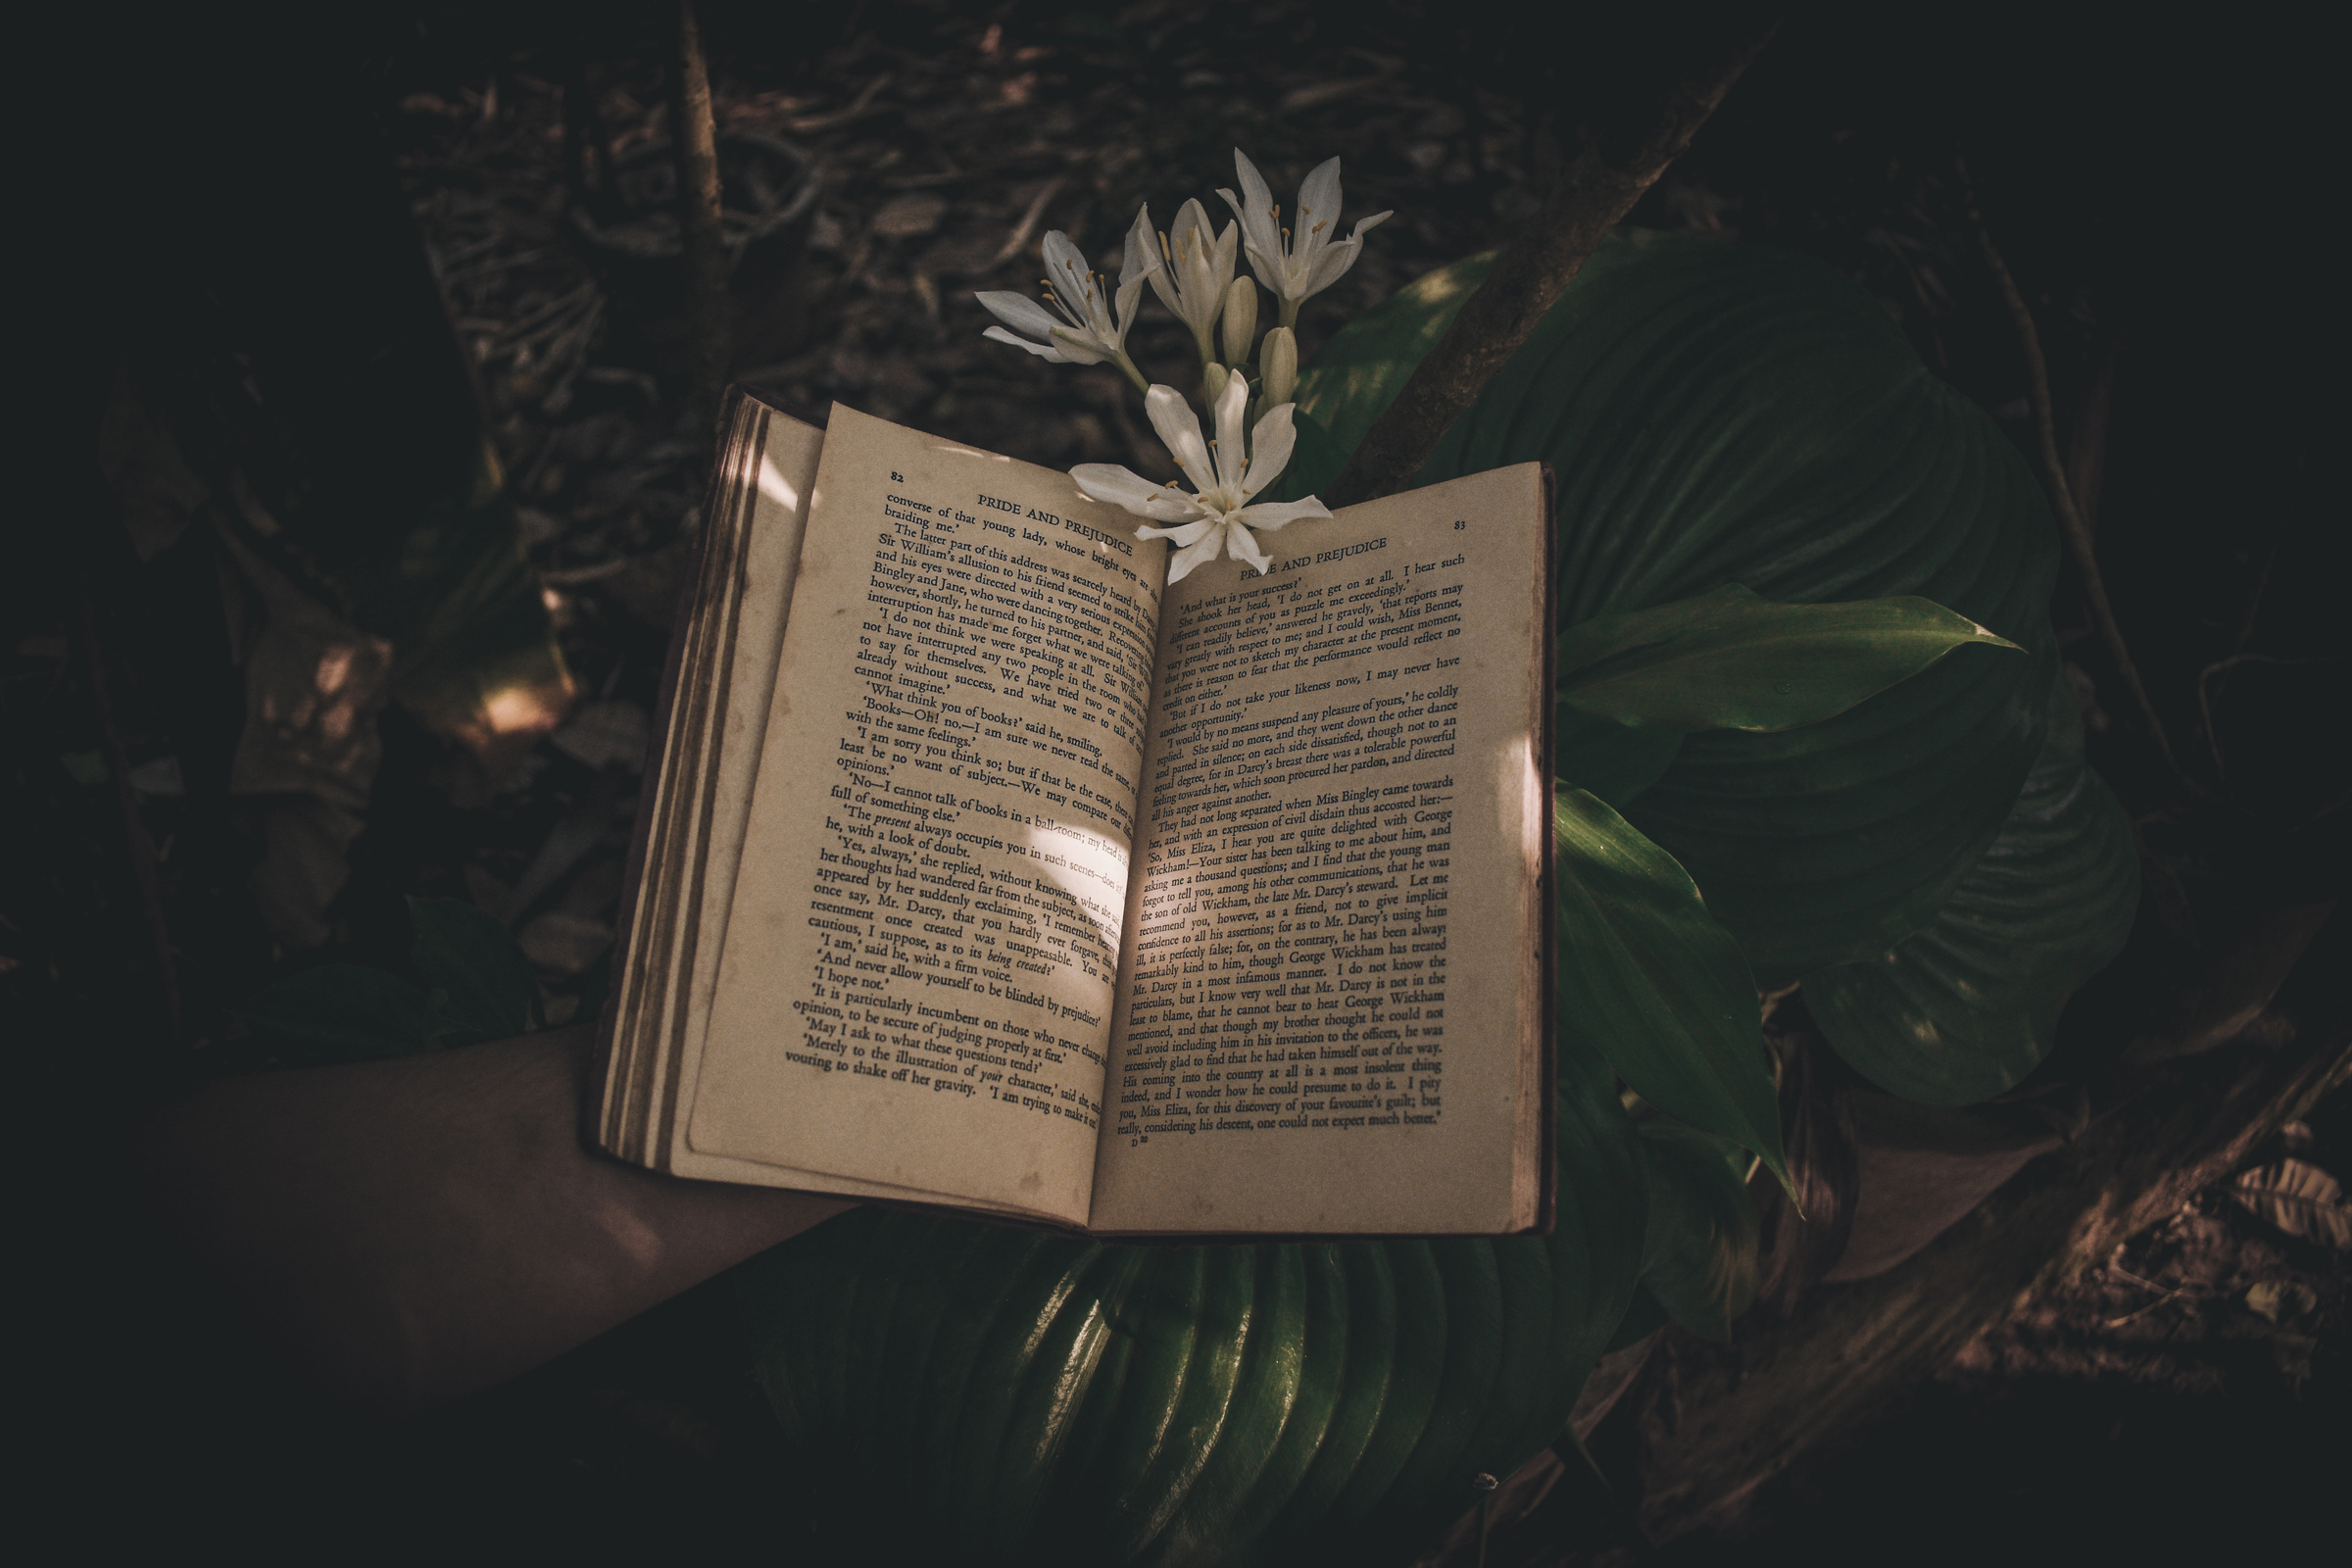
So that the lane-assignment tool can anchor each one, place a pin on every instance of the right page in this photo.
(1330, 1016)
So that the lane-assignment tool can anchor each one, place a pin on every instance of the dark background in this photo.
(240, 190)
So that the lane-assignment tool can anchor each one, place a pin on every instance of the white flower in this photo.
(1199, 270)
(1303, 260)
(1092, 330)
(1220, 514)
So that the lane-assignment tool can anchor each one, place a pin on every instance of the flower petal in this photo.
(1129, 292)
(1231, 405)
(1221, 261)
(1335, 262)
(1186, 534)
(1143, 249)
(1270, 444)
(1265, 261)
(1079, 348)
(1259, 221)
(1268, 515)
(1018, 310)
(1242, 547)
(1197, 553)
(1127, 489)
(1164, 284)
(1332, 264)
(1191, 229)
(1044, 351)
(1318, 218)
(1180, 432)
(1063, 258)
(1319, 192)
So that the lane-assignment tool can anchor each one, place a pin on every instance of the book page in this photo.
(659, 861)
(916, 989)
(1331, 1021)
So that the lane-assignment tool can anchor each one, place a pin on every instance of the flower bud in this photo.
(1240, 321)
(1277, 361)
(1212, 384)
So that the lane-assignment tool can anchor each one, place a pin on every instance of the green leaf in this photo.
(1650, 982)
(1718, 413)
(1315, 460)
(1367, 363)
(1616, 762)
(1965, 1010)
(991, 1395)
(1644, 1317)
(481, 984)
(341, 1012)
(1700, 1257)
(1728, 659)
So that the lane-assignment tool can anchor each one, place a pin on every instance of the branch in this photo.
(2072, 524)
(693, 142)
(1718, 1422)
(1623, 147)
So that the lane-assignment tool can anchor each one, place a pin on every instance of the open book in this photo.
(982, 868)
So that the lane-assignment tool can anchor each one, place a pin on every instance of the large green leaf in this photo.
(986, 1394)
(1653, 984)
(1699, 1259)
(1969, 1007)
(1728, 659)
(1361, 369)
(1719, 413)
(1616, 762)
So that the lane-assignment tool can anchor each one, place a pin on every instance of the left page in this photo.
(924, 934)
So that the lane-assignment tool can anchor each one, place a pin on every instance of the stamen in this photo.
(1321, 223)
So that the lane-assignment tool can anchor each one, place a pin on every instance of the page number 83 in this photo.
(1460, 527)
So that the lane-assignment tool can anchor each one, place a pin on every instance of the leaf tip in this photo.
(1986, 634)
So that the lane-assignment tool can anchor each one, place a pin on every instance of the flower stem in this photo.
(1290, 313)
(1133, 375)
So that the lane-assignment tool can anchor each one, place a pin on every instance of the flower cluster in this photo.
(1192, 269)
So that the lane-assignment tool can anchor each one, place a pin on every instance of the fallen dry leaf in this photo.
(609, 730)
(2281, 1300)
(2299, 1199)
(559, 946)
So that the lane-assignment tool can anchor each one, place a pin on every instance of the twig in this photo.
(1028, 223)
(2071, 522)
(512, 334)
(2086, 447)
(693, 142)
(835, 118)
(2262, 583)
(1622, 149)
(2210, 682)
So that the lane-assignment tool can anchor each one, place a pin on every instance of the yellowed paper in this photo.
(922, 943)
(1333, 997)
